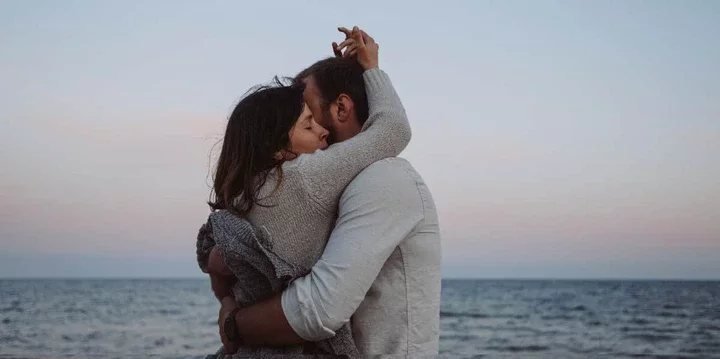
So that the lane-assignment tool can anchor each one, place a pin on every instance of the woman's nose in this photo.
(323, 134)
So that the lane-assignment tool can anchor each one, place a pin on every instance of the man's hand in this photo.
(358, 42)
(336, 49)
(227, 305)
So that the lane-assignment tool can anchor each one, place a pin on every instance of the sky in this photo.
(560, 139)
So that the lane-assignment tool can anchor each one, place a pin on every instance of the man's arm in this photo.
(380, 209)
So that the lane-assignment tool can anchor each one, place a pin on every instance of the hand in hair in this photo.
(358, 43)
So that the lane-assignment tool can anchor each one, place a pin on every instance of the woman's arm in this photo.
(385, 134)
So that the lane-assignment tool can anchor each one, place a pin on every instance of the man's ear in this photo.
(345, 108)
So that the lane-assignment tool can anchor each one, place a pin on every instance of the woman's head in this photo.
(269, 125)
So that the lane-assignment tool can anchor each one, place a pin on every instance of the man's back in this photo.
(400, 313)
(380, 269)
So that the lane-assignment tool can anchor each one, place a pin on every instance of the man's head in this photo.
(335, 93)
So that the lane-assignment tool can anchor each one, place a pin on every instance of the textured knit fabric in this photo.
(260, 273)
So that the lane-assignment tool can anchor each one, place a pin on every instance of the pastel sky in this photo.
(560, 139)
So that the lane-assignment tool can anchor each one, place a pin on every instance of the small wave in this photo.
(520, 348)
(163, 342)
(637, 355)
(652, 338)
(6, 321)
(13, 339)
(558, 317)
(463, 315)
(93, 336)
(710, 327)
(709, 344)
(672, 306)
(12, 309)
(666, 314)
(169, 311)
(580, 308)
(640, 321)
(691, 350)
(458, 337)
(75, 310)
(444, 314)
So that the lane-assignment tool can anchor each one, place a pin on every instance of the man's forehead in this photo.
(309, 82)
(311, 89)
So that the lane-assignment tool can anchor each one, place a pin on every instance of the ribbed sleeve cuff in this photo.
(376, 81)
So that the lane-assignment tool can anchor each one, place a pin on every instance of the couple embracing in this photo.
(321, 241)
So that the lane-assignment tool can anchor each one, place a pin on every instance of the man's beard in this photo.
(327, 123)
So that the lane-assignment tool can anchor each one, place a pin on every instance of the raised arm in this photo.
(385, 134)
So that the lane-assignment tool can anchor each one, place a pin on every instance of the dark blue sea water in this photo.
(176, 318)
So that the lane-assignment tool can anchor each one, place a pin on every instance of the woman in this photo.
(276, 171)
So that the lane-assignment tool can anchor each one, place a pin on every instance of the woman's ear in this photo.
(345, 108)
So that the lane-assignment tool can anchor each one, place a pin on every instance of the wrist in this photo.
(232, 332)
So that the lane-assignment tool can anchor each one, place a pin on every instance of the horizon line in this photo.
(596, 279)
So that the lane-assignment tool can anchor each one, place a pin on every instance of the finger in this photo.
(357, 35)
(367, 37)
(350, 51)
(346, 43)
(336, 50)
(345, 30)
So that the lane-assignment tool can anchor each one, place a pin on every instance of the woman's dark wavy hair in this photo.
(257, 129)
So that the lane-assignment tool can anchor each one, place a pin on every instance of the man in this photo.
(381, 267)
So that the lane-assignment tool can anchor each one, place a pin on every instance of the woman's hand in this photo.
(221, 286)
(222, 278)
(360, 44)
(216, 265)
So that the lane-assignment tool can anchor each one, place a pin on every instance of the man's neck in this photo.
(348, 130)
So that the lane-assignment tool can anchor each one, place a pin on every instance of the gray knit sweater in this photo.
(294, 220)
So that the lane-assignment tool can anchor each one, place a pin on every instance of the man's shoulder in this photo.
(392, 179)
(390, 171)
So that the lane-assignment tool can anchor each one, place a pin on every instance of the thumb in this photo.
(336, 51)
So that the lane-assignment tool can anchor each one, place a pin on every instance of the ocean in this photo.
(479, 318)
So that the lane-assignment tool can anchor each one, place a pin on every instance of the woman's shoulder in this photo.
(285, 178)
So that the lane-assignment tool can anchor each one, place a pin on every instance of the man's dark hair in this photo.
(335, 76)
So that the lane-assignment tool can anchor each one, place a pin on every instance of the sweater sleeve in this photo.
(386, 133)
